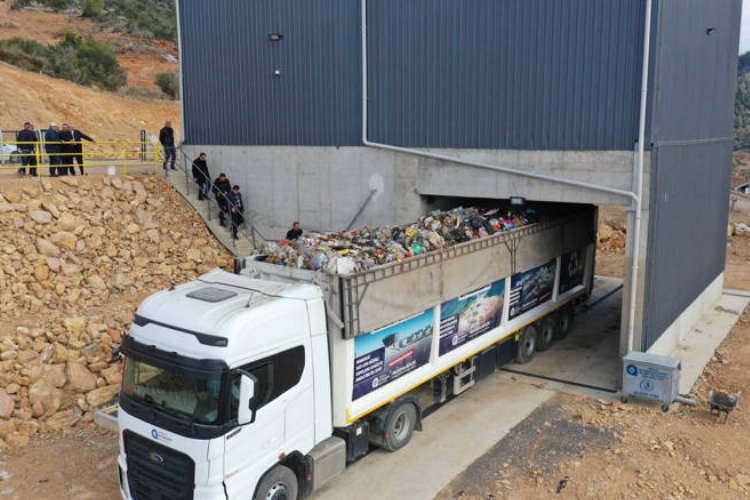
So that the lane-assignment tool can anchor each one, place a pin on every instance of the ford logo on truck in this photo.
(155, 457)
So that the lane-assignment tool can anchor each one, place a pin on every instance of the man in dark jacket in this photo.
(237, 208)
(26, 139)
(166, 138)
(221, 190)
(295, 232)
(201, 176)
(52, 146)
(66, 149)
(77, 149)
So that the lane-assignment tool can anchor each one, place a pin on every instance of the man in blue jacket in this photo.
(52, 146)
(27, 140)
(236, 208)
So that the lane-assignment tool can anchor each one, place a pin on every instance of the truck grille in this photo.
(156, 472)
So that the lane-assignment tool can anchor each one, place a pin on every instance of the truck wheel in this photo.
(564, 322)
(279, 483)
(546, 333)
(400, 427)
(526, 345)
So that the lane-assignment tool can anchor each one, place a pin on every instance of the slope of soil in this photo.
(105, 116)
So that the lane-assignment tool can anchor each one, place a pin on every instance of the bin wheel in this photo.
(546, 333)
(624, 399)
(665, 408)
(400, 426)
(526, 345)
(564, 322)
(279, 483)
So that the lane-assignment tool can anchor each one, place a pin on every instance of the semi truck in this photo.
(268, 382)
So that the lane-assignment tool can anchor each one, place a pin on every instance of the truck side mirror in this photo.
(246, 410)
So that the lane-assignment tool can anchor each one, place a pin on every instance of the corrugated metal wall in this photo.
(695, 76)
(513, 74)
(495, 74)
(230, 93)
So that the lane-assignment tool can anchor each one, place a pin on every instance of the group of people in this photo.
(63, 147)
(228, 196)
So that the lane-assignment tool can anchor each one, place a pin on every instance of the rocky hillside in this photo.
(76, 258)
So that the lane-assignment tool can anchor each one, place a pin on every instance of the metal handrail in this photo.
(250, 232)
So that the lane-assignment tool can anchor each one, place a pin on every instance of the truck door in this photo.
(283, 390)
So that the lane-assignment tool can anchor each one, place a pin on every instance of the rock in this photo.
(96, 282)
(133, 228)
(113, 375)
(68, 222)
(61, 420)
(65, 239)
(7, 404)
(12, 388)
(17, 440)
(75, 324)
(98, 397)
(41, 216)
(12, 207)
(743, 479)
(54, 264)
(12, 197)
(51, 208)
(119, 282)
(740, 228)
(80, 379)
(47, 248)
(55, 375)
(70, 181)
(47, 395)
(7, 427)
(71, 269)
(41, 272)
(193, 254)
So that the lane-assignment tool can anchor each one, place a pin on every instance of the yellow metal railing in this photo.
(94, 155)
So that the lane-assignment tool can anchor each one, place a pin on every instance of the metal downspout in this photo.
(634, 196)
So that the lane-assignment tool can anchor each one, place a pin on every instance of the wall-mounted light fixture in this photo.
(710, 30)
(517, 201)
(275, 37)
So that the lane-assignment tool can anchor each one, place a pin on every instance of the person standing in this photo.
(221, 189)
(166, 138)
(52, 147)
(77, 148)
(66, 149)
(201, 176)
(295, 232)
(237, 208)
(27, 140)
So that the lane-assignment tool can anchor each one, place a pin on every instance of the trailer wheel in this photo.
(546, 333)
(526, 345)
(564, 322)
(279, 483)
(400, 426)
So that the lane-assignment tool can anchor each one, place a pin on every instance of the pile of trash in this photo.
(348, 252)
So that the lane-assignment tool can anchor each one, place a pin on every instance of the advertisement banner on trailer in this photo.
(384, 355)
(467, 317)
(572, 266)
(530, 288)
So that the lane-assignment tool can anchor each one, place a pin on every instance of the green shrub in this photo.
(169, 84)
(92, 8)
(83, 61)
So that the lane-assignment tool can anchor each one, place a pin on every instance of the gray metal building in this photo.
(340, 112)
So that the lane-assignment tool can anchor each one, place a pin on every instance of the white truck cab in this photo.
(207, 415)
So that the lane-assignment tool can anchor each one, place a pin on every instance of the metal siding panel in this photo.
(696, 73)
(687, 229)
(231, 95)
(505, 74)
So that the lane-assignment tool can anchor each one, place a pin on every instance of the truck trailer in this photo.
(268, 382)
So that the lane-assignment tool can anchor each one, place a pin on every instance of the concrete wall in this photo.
(325, 187)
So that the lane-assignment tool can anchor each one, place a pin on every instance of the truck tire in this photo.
(400, 426)
(279, 483)
(546, 333)
(564, 322)
(526, 345)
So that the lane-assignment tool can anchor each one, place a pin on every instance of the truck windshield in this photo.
(178, 392)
